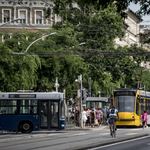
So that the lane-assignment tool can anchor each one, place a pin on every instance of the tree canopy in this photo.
(84, 44)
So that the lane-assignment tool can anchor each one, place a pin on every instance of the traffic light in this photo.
(75, 95)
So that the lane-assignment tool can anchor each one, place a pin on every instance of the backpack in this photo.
(112, 111)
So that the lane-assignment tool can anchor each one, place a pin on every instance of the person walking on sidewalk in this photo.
(105, 115)
(101, 115)
(92, 115)
(144, 118)
(84, 117)
(77, 116)
(98, 116)
(88, 116)
(72, 115)
(107, 107)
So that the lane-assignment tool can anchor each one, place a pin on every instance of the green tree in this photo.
(17, 71)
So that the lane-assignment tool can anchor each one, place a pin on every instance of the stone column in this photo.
(51, 16)
(30, 22)
(14, 14)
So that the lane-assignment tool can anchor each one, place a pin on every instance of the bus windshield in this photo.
(125, 103)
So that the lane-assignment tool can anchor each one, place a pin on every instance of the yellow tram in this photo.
(130, 104)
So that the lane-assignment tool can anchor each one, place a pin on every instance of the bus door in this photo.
(54, 115)
(44, 114)
(49, 114)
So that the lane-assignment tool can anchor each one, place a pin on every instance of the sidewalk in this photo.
(74, 128)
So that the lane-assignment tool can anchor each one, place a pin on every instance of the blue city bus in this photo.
(31, 111)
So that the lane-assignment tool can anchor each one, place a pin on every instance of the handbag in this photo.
(96, 122)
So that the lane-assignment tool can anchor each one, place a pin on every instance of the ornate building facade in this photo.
(131, 29)
(30, 12)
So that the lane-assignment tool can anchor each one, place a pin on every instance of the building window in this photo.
(23, 16)
(38, 17)
(6, 16)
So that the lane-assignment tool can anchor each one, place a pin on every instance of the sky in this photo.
(146, 18)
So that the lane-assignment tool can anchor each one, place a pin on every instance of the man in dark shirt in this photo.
(77, 116)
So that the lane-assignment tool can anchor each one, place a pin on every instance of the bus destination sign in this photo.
(22, 95)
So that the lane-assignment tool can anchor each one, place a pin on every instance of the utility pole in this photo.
(80, 79)
(89, 86)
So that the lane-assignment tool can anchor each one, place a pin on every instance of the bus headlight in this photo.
(132, 115)
(62, 125)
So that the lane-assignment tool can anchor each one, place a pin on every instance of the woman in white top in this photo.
(84, 117)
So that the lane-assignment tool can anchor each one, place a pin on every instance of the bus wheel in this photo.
(26, 127)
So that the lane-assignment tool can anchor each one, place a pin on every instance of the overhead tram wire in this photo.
(77, 53)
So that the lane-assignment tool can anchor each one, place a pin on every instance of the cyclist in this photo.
(112, 115)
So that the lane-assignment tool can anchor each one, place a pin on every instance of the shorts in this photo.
(111, 119)
(84, 120)
(72, 118)
(144, 123)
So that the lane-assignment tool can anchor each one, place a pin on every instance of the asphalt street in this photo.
(136, 144)
(64, 140)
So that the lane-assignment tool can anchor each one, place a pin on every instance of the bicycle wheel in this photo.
(114, 130)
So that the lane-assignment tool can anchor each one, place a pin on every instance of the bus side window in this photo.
(137, 106)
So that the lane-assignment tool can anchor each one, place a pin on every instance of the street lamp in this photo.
(82, 43)
(10, 21)
(80, 81)
(40, 39)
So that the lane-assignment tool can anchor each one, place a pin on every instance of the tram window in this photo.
(116, 103)
(137, 106)
(142, 105)
(148, 106)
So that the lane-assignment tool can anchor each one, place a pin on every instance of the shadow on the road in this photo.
(128, 127)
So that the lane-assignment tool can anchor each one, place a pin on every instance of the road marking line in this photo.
(119, 143)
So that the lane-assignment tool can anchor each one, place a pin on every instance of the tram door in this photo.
(49, 114)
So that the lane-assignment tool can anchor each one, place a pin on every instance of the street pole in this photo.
(90, 87)
(56, 84)
(39, 39)
(81, 102)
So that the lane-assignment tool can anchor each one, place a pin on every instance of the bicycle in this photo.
(113, 129)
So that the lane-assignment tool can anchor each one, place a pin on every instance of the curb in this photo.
(85, 129)
(110, 142)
